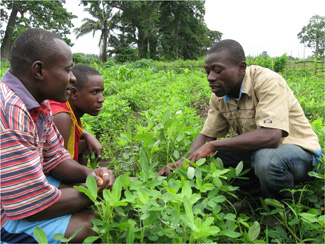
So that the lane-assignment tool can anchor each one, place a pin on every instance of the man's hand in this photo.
(93, 144)
(166, 171)
(104, 177)
(203, 152)
(198, 149)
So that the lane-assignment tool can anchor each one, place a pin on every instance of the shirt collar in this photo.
(15, 84)
(226, 98)
(245, 86)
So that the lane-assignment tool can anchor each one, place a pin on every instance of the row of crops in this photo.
(152, 113)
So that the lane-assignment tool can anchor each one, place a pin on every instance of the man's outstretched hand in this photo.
(166, 171)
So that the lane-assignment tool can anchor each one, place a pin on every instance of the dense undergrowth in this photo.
(152, 113)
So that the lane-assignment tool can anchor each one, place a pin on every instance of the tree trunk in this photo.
(142, 43)
(104, 47)
(6, 45)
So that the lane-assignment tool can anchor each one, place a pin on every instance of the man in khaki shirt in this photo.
(274, 138)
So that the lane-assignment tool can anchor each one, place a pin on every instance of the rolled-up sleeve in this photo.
(215, 126)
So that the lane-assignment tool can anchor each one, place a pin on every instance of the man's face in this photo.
(57, 76)
(224, 77)
(90, 98)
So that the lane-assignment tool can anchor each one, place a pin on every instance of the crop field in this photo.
(151, 114)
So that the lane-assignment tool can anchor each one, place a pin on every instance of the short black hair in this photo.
(234, 50)
(31, 45)
(82, 72)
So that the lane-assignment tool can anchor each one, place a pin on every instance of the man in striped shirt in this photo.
(37, 173)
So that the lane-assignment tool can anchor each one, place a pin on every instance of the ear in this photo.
(37, 70)
(73, 93)
(242, 67)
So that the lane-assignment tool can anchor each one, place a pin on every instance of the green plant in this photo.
(280, 63)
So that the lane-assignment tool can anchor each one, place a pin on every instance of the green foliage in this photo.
(105, 22)
(264, 62)
(191, 206)
(313, 34)
(280, 63)
(126, 54)
(81, 58)
(50, 15)
(160, 29)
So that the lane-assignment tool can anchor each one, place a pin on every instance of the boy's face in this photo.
(90, 98)
(57, 75)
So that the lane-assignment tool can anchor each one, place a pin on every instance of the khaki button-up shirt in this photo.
(266, 101)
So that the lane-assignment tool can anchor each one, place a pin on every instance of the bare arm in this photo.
(204, 146)
(253, 140)
(63, 123)
(92, 144)
(71, 199)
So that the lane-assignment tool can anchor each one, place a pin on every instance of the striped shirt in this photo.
(30, 146)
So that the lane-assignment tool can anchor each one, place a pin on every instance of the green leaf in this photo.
(131, 235)
(309, 217)
(254, 231)
(40, 235)
(190, 172)
(125, 180)
(230, 233)
(92, 186)
(155, 147)
(274, 203)
(239, 168)
(217, 182)
(189, 217)
(201, 161)
(143, 196)
(86, 192)
(117, 191)
(90, 239)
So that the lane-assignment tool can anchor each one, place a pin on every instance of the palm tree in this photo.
(105, 21)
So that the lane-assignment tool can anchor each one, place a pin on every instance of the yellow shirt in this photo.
(266, 101)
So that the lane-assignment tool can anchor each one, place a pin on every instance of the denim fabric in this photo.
(272, 169)
(280, 168)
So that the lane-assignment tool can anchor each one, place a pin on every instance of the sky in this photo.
(259, 25)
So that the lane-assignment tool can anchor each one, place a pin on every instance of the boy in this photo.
(85, 97)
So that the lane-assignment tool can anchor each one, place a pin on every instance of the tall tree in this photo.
(20, 15)
(313, 34)
(183, 31)
(140, 19)
(105, 20)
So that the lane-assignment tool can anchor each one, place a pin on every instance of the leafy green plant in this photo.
(40, 235)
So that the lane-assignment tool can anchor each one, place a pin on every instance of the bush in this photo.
(280, 63)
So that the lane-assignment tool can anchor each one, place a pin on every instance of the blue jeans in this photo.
(280, 168)
(272, 169)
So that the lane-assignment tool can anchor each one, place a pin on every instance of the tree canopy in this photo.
(158, 29)
(105, 22)
(313, 34)
(20, 15)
